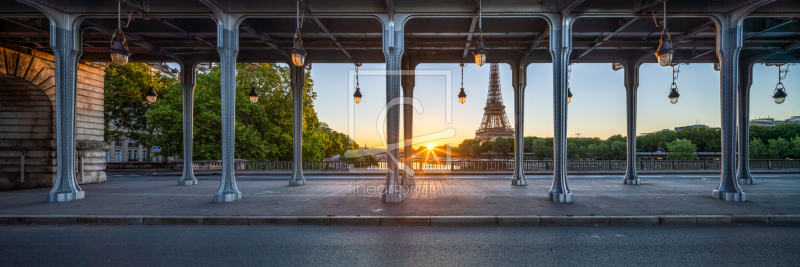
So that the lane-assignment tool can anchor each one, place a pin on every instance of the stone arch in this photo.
(27, 97)
(27, 119)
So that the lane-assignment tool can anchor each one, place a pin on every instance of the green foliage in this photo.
(707, 140)
(503, 146)
(469, 148)
(785, 131)
(758, 150)
(779, 148)
(125, 104)
(682, 149)
(575, 151)
(608, 150)
(542, 148)
(617, 137)
(263, 130)
(795, 153)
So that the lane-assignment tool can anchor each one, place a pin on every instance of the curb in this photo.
(515, 220)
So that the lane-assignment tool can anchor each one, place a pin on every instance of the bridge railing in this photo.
(496, 165)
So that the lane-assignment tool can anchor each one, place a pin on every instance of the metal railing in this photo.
(497, 165)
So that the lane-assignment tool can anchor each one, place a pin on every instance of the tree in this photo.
(542, 148)
(503, 146)
(786, 131)
(616, 137)
(682, 149)
(125, 104)
(758, 150)
(779, 148)
(469, 148)
(608, 151)
(263, 130)
(795, 153)
(575, 151)
(486, 146)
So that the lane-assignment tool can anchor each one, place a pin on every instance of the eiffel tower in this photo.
(495, 123)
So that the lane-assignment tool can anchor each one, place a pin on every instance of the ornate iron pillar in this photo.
(560, 48)
(631, 88)
(393, 51)
(188, 81)
(407, 81)
(518, 80)
(65, 40)
(228, 48)
(743, 116)
(298, 85)
(729, 44)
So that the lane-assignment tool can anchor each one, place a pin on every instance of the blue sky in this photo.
(597, 108)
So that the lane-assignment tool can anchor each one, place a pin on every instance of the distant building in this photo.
(769, 122)
(694, 126)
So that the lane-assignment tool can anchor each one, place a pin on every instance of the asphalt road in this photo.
(399, 246)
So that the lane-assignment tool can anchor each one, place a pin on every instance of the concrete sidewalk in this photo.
(434, 197)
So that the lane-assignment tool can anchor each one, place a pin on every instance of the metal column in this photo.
(298, 85)
(519, 78)
(743, 115)
(65, 40)
(729, 44)
(631, 91)
(228, 48)
(560, 48)
(188, 82)
(407, 81)
(393, 51)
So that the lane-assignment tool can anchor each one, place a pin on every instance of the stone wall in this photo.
(27, 120)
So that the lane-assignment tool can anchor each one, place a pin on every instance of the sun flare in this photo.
(430, 146)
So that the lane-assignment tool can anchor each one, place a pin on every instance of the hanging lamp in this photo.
(462, 96)
(673, 89)
(357, 94)
(780, 91)
(119, 46)
(569, 90)
(665, 50)
(480, 49)
(298, 52)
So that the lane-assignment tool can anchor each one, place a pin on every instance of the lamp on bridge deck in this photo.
(673, 89)
(673, 94)
(253, 95)
(462, 96)
(357, 94)
(151, 95)
(569, 95)
(780, 91)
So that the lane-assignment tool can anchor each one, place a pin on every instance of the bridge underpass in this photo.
(735, 35)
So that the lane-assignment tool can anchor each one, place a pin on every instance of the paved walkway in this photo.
(438, 197)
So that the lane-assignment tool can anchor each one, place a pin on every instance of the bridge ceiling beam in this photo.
(442, 31)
